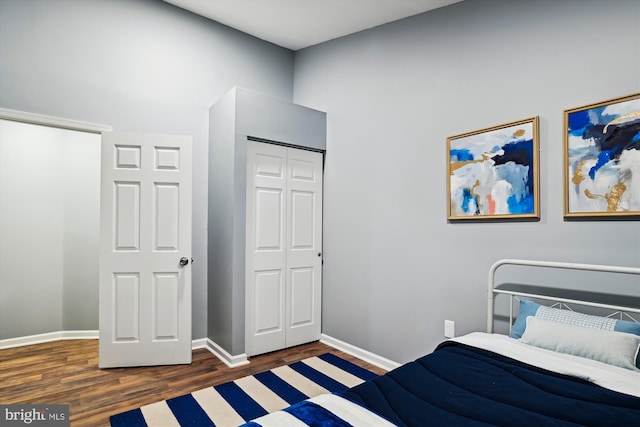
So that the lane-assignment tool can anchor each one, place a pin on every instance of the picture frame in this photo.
(602, 159)
(493, 173)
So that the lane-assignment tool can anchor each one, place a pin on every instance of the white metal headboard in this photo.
(549, 264)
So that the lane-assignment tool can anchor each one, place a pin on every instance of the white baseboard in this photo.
(48, 337)
(199, 343)
(70, 335)
(222, 354)
(360, 353)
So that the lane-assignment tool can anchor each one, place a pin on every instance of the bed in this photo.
(556, 367)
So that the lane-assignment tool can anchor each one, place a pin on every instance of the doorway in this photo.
(49, 229)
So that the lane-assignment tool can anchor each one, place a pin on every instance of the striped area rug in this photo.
(236, 402)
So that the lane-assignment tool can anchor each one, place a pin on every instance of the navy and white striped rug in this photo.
(236, 402)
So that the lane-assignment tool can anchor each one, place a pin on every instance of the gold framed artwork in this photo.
(602, 159)
(493, 173)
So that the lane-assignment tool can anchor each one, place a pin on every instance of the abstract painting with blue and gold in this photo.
(603, 158)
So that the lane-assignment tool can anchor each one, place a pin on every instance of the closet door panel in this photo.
(265, 273)
(304, 246)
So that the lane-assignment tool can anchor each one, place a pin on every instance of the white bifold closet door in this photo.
(283, 247)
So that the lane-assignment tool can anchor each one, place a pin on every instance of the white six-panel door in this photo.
(145, 231)
(284, 247)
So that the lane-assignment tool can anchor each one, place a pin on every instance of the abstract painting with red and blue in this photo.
(493, 172)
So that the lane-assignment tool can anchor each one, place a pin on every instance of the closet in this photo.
(284, 247)
(264, 224)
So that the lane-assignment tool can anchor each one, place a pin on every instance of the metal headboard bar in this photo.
(567, 300)
(619, 308)
(550, 264)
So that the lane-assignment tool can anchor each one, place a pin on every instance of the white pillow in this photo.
(615, 348)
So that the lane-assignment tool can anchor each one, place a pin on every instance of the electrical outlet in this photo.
(449, 328)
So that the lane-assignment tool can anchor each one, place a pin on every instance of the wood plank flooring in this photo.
(66, 372)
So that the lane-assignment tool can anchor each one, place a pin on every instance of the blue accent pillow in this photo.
(527, 308)
(530, 308)
(627, 327)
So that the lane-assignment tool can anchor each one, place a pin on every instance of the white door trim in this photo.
(57, 122)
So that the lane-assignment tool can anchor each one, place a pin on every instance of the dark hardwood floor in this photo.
(66, 372)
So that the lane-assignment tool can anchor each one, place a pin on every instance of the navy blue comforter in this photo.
(458, 385)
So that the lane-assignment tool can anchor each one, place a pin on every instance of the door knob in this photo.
(184, 261)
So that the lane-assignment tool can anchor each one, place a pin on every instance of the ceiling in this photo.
(296, 24)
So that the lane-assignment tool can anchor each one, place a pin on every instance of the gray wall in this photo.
(81, 230)
(240, 114)
(394, 269)
(138, 66)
